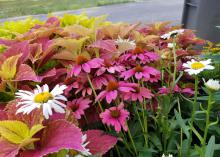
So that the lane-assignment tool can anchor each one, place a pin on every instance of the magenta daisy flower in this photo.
(140, 72)
(115, 116)
(78, 106)
(102, 80)
(113, 89)
(83, 63)
(177, 89)
(140, 54)
(110, 67)
(139, 94)
(79, 84)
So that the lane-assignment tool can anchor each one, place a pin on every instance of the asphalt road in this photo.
(146, 11)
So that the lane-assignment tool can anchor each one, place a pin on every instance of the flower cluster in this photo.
(66, 86)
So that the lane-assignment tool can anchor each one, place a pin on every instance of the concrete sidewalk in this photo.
(147, 11)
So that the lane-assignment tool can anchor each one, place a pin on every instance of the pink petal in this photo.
(76, 70)
(86, 68)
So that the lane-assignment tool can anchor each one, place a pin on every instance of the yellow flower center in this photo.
(43, 97)
(197, 65)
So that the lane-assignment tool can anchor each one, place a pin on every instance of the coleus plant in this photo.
(76, 86)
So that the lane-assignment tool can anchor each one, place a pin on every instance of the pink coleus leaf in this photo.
(53, 21)
(26, 73)
(47, 74)
(108, 45)
(99, 142)
(8, 149)
(34, 118)
(58, 135)
(3, 115)
(19, 48)
(7, 42)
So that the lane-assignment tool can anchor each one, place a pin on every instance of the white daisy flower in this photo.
(213, 84)
(170, 155)
(195, 67)
(42, 98)
(174, 32)
(125, 44)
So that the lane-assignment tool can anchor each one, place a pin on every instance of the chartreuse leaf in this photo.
(35, 129)
(8, 68)
(18, 132)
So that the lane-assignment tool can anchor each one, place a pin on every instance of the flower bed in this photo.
(77, 86)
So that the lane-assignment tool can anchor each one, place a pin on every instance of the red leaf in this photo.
(30, 119)
(108, 45)
(3, 115)
(25, 73)
(8, 149)
(99, 142)
(58, 135)
(18, 48)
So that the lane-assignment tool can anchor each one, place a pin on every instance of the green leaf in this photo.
(210, 148)
(18, 132)
(156, 141)
(6, 97)
(8, 68)
(182, 124)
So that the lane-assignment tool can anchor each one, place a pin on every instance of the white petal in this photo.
(60, 97)
(39, 89)
(59, 103)
(45, 112)
(45, 88)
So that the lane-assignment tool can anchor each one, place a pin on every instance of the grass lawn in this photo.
(10, 8)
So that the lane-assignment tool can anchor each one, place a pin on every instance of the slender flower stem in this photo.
(126, 143)
(175, 63)
(144, 118)
(94, 92)
(181, 132)
(193, 112)
(132, 141)
(142, 127)
(207, 120)
(118, 152)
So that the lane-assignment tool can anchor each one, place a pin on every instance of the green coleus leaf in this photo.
(8, 68)
(18, 132)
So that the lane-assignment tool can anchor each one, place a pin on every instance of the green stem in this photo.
(132, 141)
(126, 144)
(139, 119)
(207, 120)
(193, 112)
(94, 92)
(175, 64)
(117, 150)
(181, 132)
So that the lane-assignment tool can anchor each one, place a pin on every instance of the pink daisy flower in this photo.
(140, 54)
(102, 80)
(80, 84)
(115, 116)
(140, 72)
(83, 63)
(113, 89)
(110, 67)
(78, 106)
(139, 94)
(177, 89)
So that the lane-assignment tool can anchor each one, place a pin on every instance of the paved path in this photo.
(147, 11)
